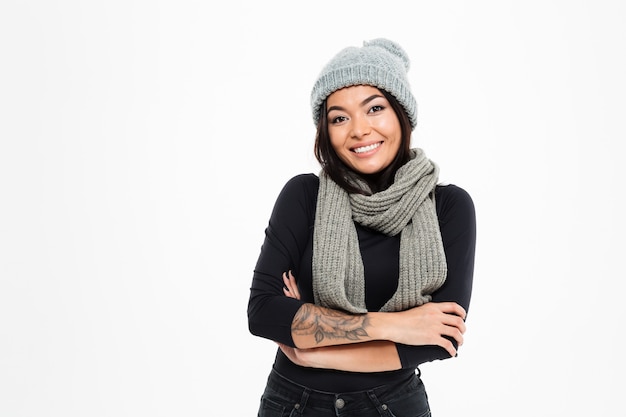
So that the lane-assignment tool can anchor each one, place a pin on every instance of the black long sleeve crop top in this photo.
(288, 246)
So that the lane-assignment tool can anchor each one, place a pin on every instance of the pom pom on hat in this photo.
(380, 63)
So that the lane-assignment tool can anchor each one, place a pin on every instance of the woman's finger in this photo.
(290, 287)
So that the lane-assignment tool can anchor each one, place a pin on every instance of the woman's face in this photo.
(363, 128)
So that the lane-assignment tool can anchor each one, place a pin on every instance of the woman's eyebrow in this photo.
(363, 103)
(370, 98)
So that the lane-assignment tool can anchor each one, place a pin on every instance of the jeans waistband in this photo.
(338, 400)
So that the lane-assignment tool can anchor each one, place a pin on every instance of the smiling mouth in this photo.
(367, 148)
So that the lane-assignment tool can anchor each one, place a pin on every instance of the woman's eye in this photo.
(375, 109)
(338, 119)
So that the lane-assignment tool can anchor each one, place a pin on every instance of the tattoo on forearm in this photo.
(332, 324)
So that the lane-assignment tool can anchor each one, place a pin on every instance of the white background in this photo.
(143, 143)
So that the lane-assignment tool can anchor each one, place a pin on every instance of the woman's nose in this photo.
(360, 126)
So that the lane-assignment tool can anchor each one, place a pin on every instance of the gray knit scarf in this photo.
(406, 207)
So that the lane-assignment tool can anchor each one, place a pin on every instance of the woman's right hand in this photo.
(426, 325)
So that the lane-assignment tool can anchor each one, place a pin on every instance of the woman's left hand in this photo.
(291, 288)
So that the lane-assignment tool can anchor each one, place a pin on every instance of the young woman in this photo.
(366, 270)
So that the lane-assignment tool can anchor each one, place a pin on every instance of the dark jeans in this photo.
(284, 398)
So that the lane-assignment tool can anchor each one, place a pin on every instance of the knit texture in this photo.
(380, 63)
(408, 208)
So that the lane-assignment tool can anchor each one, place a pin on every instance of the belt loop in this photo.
(305, 396)
(382, 408)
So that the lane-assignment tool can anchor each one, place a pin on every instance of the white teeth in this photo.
(367, 148)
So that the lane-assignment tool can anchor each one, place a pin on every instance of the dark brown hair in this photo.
(340, 173)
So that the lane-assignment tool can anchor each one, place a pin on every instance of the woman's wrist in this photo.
(379, 326)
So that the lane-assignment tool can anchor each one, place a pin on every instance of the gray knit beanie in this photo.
(380, 63)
